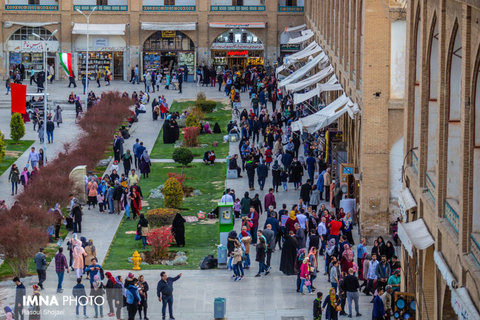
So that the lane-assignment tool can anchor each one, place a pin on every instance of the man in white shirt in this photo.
(227, 197)
(371, 275)
(302, 219)
(33, 157)
(322, 232)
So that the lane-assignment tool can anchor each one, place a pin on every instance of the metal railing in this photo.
(32, 7)
(237, 8)
(475, 247)
(291, 9)
(101, 8)
(169, 8)
(430, 187)
(451, 215)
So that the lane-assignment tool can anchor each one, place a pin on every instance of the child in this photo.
(237, 208)
(100, 201)
(284, 179)
(317, 307)
(237, 261)
(115, 165)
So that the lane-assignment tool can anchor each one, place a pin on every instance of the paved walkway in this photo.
(271, 297)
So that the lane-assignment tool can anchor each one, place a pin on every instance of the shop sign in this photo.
(336, 136)
(100, 42)
(237, 46)
(32, 46)
(169, 34)
(289, 47)
(237, 53)
(108, 49)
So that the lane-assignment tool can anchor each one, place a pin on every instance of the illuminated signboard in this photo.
(237, 53)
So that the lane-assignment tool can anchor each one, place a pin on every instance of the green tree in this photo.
(17, 127)
(2, 146)
(183, 156)
(172, 193)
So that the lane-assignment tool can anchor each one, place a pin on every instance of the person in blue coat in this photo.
(320, 184)
(378, 312)
(133, 298)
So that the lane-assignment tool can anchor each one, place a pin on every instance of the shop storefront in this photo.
(27, 50)
(106, 51)
(169, 49)
(237, 49)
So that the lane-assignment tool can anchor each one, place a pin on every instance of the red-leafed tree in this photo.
(191, 135)
(160, 239)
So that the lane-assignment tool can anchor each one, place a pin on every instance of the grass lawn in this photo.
(12, 152)
(222, 116)
(200, 238)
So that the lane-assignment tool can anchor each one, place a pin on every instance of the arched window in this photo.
(432, 104)
(26, 33)
(454, 148)
(476, 150)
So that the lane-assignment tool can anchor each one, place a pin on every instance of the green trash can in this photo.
(219, 308)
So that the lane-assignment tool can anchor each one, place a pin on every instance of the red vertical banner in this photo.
(19, 98)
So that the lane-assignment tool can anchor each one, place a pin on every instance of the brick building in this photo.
(124, 33)
(365, 42)
(442, 145)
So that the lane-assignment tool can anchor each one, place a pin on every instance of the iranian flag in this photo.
(66, 61)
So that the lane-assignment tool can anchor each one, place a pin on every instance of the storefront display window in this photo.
(101, 61)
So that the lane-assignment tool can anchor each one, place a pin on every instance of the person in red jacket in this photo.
(270, 200)
(335, 227)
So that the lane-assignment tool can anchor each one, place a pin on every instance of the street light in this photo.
(45, 104)
(88, 39)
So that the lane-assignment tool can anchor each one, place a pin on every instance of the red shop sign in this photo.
(237, 53)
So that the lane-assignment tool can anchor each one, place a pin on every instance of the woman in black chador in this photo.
(170, 131)
(178, 229)
(289, 252)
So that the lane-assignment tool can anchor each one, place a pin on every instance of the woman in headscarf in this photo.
(127, 162)
(382, 250)
(142, 229)
(375, 249)
(135, 201)
(91, 252)
(97, 290)
(305, 276)
(14, 178)
(346, 262)
(8, 313)
(365, 265)
(330, 251)
(290, 224)
(347, 228)
(257, 204)
(312, 261)
(276, 172)
(34, 312)
(78, 258)
(389, 250)
(289, 252)
(145, 164)
(24, 176)
(178, 230)
(331, 303)
(58, 116)
(110, 292)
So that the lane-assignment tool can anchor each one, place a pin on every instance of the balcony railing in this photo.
(451, 216)
(32, 7)
(237, 8)
(291, 9)
(430, 187)
(475, 247)
(169, 8)
(101, 8)
(415, 162)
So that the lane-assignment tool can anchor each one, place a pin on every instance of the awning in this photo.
(322, 57)
(406, 202)
(169, 26)
(463, 305)
(444, 269)
(9, 24)
(297, 86)
(96, 29)
(238, 25)
(310, 47)
(288, 61)
(331, 85)
(324, 117)
(297, 28)
(415, 234)
(306, 35)
(304, 55)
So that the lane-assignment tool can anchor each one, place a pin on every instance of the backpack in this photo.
(209, 262)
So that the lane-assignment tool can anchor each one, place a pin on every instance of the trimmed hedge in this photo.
(173, 193)
(160, 217)
(206, 106)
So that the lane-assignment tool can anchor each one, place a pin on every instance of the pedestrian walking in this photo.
(20, 293)
(14, 178)
(58, 116)
(80, 295)
(351, 286)
(60, 266)
(165, 293)
(143, 291)
(41, 266)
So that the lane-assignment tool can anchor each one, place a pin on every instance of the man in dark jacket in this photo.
(262, 173)
(250, 167)
(77, 217)
(50, 128)
(305, 191)
(165, 293)
(20, 292)
(233, 165)
(117, 197)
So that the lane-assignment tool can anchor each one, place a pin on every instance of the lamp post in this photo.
(45, 104)
(88, 39)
